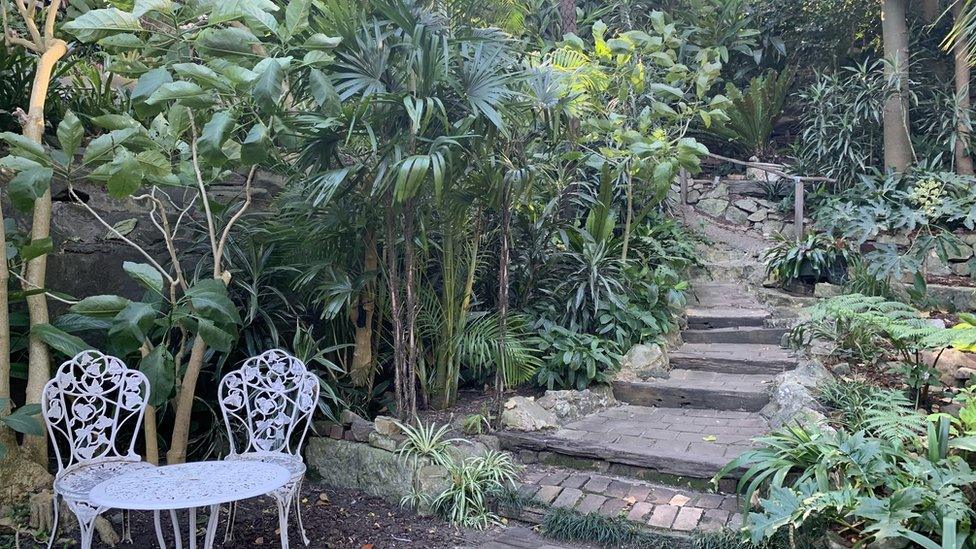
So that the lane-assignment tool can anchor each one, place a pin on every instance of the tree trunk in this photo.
(6, 435)
(396, 312)
(930, 10)
(964, 162)
(898, 152)
(39, 365)
(184, 403)
(503, 259)
(567, 12)
(410, 304)
(362, 318)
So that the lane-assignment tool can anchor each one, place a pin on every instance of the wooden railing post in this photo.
(798, 208)
(683, 185)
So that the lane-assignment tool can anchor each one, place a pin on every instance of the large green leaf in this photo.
(25, 147)
(147, 84)
(103, 147)
(36, 248)
(187, 93)
(142, 7)
(29, 185)
(216, 337)
(323, 92)
(212, 137)
(100, 306)
(60, 341)
(159, 368)
(146, 275)
(296, 16)
(210, 300)
(267, 89)
(70, 133)
(131, 326)
(203, 75)
(232, 41)
(256, 145)
(24, 420)
(96, 24)
(125, 174)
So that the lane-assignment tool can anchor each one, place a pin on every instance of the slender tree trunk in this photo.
(567, 12)
(396, 312)
(503, 259)
(362, 318)
(6, 435)
(897, 142)
(39, 365)
(630, 216)
(964, 161)
(410, 303)
(149, 423)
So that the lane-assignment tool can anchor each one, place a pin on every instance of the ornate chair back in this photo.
(268, 403)
(93, 408)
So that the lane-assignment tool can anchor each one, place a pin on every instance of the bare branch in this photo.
(52, 15)
(29, 285)
(169, 236)
(125, 239)
(235, 218)
(29, 23)
(203, 191)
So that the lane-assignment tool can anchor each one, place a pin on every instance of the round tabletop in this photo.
(189, 485)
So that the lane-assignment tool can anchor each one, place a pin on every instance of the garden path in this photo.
(652, 459)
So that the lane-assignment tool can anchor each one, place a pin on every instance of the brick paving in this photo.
(653, 505)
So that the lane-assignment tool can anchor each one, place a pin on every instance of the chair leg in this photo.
(126, 526)
(284, 506)
(298, 510)
(54, 526)
(159, 530)
(86, 515)
(208, 541)
(231, 515)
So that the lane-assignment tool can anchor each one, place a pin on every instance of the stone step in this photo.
(732, 270)
(722, 294)
(674, 513)
(733, 358)
(706, 318)
(737, 334)
(677, 446)
(697, 389)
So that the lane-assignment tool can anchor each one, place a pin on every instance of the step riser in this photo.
(726, 366)
(770, 336)
(640, 394)
(712, 322)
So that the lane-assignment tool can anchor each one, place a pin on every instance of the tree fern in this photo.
(890, 415)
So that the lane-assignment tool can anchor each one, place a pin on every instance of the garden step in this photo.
(677, 446)
(734, 358)
(722, 294)
(697, 389)
(736, 334)
(671, 512)
(705, 318)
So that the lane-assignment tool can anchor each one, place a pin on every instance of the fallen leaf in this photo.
(631, 500)
(259, 540)
(367, 546)
(710, 438)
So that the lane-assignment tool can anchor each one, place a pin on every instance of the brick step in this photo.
(698, 389)
(672, 512)
(676, 446)
(707, 318)
(733, 358)
(737, 334)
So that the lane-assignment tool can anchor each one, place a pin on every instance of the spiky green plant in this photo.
(754, 111)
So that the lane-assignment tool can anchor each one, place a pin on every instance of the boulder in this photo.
(462, 449)
(525, 414)
(720, 190)
(737, 216)
(961, 269)
(714, 207)
(644, 361)
(841, 369)
(358, 428)
(792, 398)
(934, 266)
(825, 290)
(694, 196)
(386, 426)
(950, 363)
(748, 204)
(758, 216)
(381, 441)
(569, 405)
(360, 467)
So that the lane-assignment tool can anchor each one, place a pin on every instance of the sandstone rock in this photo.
(965, 374)
(961, 254)
(788, 229)
(737, 216)
(720, 190)
(569, 405)
(381, 441)
(359, 429)
(771, 227)
(758, 216)
(950, 363)
(968, 238)
(824, 290)
(748, 204)
(759, 174)
(934, 266)
(386, 426)
(643, 362)
(360, 467)
(525, 414)
(694, 196)
(462, 449)
(713, 206)
(961, 269)
(841, 369)
(792, 398)
(898, 239)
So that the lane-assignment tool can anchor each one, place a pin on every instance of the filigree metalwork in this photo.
(267, 406)
(93, 408)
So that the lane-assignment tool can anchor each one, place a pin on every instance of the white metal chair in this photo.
(91, 406)
(267, 406)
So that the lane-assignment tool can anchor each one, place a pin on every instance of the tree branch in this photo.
(230, 224)
(211, 232)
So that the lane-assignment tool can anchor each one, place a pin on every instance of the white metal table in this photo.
(188, 486)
